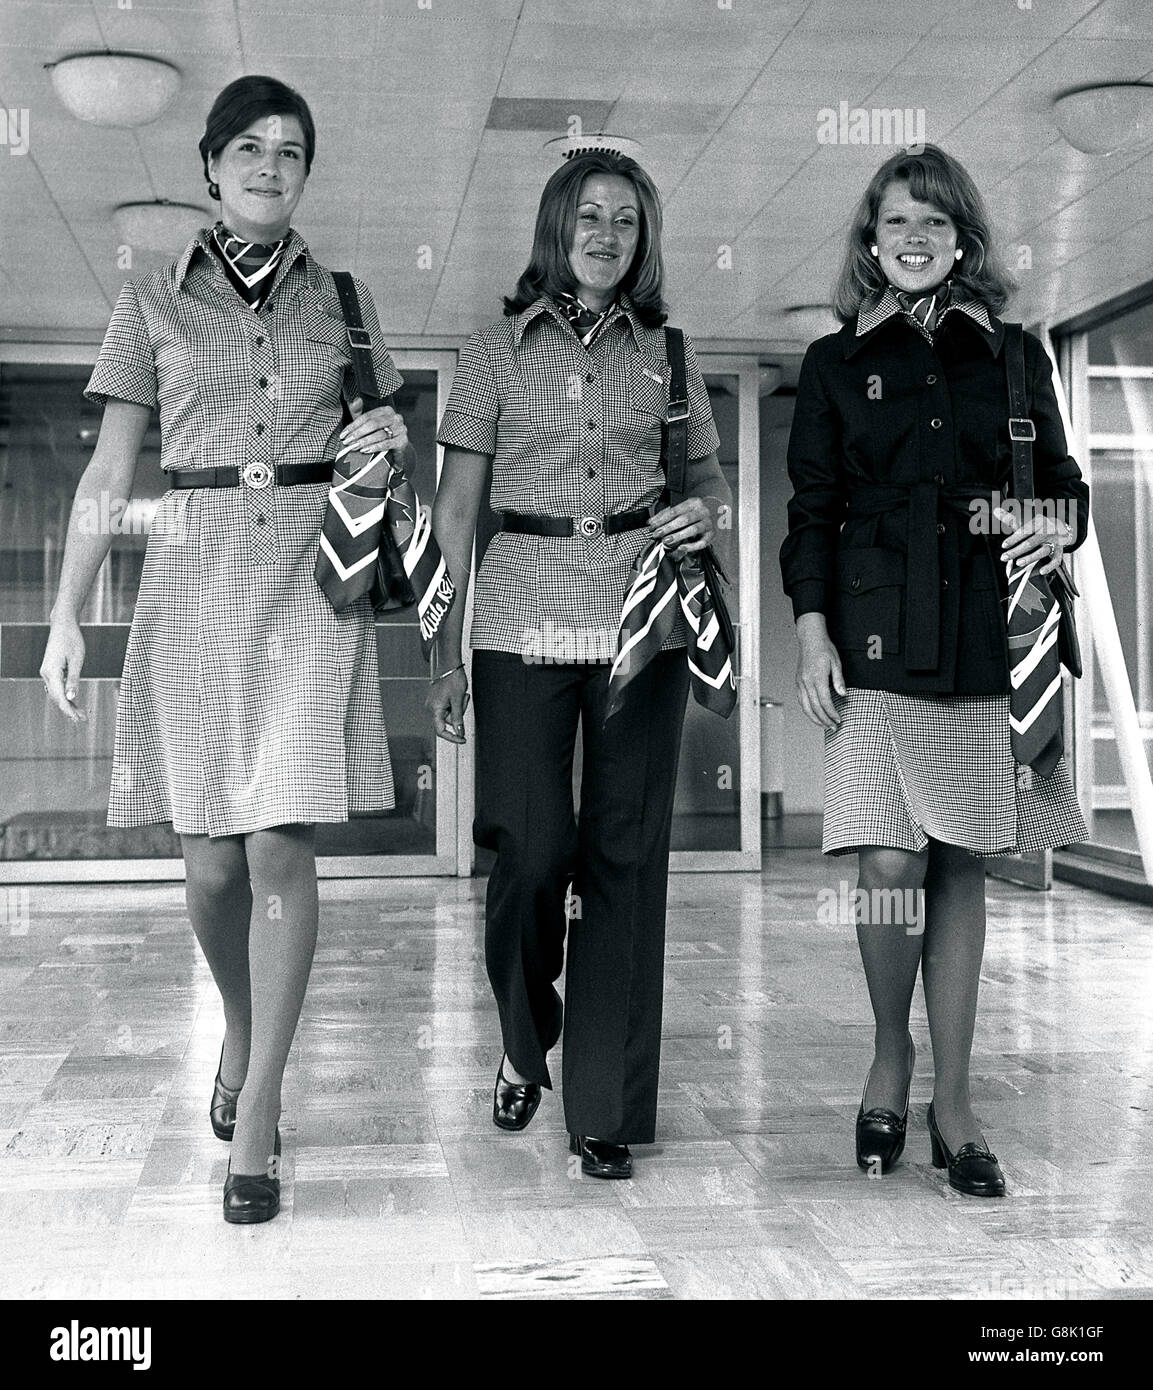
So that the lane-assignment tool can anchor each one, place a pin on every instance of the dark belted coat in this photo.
(892, 439)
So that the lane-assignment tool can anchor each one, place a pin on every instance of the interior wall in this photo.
(801, 742)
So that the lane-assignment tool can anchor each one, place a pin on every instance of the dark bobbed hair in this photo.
(933, 177)
(247, 100)
(548, 271)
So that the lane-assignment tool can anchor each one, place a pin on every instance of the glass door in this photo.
(54, 776)
(716, 813)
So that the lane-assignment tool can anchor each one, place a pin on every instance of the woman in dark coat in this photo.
(895, 565)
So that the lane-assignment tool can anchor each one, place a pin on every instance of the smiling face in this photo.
(605, 237)
(916, 242)
(261, 175)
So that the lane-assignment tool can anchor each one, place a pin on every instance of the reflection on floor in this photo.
(396, 1182)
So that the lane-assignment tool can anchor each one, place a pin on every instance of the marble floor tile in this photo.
(609, 1277)
(395, 1184)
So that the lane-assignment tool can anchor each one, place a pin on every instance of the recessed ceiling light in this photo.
(1107, 118)
(116, 89)
(569, 145)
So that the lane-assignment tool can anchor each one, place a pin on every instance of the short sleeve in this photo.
(469, 420)
(388, 379)
(126, 367)
(703, 437)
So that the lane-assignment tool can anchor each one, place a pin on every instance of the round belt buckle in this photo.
(591, 526)
(257, 475)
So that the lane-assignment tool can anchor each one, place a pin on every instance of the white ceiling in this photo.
(724, 101)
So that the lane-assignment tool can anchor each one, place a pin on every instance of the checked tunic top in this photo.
(246, 701)
(572, 431)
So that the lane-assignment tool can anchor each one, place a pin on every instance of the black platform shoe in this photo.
(973, 1170)
(222, 1111)
(600, 1159)
(252, 1197)
(513, 1106)
(881, 1132)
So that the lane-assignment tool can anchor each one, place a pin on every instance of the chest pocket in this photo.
(867, 609)
(316, 363)
(648, 385)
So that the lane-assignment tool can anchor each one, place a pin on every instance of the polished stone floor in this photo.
(397, 1184)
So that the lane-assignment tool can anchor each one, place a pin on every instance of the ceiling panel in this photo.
(725, 103)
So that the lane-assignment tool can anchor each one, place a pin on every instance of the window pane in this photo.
(54, 776)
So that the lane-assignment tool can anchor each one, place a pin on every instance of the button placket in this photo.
(260, 501)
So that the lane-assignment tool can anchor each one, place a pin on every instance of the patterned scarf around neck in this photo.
(250, 266)
(586, 322)
(927, 309)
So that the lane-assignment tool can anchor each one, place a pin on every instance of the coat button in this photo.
(260, 429)
(855, 582)
(263, 381)
(592, 424)
(940, 528)
(944, 583)
(260, 342)
(930, 381)
(935, 422)
(939, 479)
(592, 472)
(590, 378)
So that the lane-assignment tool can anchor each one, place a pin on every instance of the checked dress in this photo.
(246, 701)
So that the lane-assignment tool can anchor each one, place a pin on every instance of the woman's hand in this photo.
(684, 528)
(1041, 540)
(446, 701)
(818, 671)
(62, 664)
(374, 430)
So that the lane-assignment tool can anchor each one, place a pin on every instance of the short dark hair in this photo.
(933, 177)
(548, 271)
(247, 100)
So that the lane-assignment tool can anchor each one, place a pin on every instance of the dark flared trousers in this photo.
(616, 861)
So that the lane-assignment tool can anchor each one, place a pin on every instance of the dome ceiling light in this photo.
(1105, 119)
(114, 89)
(159, 226)
(807, 322)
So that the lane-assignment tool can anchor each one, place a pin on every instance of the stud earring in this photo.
(214, 191)
(957, 254)
(872, 250)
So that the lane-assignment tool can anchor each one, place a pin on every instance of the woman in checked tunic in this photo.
(901, 425)
(249, 709)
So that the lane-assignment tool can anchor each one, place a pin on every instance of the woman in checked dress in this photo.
(901, 422)
(249, 709)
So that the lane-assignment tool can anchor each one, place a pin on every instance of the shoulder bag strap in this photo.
(359, 340)
(1022, 431)
(674, 454)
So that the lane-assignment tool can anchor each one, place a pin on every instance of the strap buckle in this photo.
(678, 410)
(1022, 431)
(590, 526)
(359, 338)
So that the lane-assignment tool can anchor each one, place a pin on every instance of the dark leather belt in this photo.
(527, 524)
(254, 475)
(931, 505)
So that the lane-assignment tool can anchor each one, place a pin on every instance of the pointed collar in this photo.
(545, 305)
(882, 310)
(295, 247)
